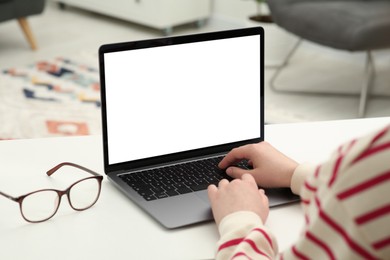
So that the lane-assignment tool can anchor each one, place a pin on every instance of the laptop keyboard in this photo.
(177, 179)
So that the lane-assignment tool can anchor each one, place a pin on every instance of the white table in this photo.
(117, 229)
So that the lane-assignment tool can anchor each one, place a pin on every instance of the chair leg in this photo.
(27, 32)
(283, 65)
(367, 84)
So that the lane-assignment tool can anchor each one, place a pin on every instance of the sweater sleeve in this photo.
(299, 176)
(346, 213)
(243, 235)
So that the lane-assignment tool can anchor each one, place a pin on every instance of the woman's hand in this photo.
(238, 195)
(271, 168)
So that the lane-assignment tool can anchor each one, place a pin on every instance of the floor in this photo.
(73, 31)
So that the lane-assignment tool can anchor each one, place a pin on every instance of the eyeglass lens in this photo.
(84, 194)
(42, 205)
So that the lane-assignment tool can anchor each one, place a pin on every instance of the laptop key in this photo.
(161, 195)
(145, 192)
(184, 190)
(158, 190)
(200, 187)
(172, 193)
(176, 179)
(150, 197)
(190, 183)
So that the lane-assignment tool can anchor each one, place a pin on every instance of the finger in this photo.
(223, 183)
(249, 178)
(211, 192)
(237, 154)
(264, 197)
(235, 172)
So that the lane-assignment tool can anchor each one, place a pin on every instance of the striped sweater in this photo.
(346, 205)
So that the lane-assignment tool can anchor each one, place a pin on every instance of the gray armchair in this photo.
(20, 9)
(350, 25)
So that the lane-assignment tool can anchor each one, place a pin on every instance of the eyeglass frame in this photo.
(60, 193)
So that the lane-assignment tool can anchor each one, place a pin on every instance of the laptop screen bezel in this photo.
(166, 41)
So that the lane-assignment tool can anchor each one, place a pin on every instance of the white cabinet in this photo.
(158, 14)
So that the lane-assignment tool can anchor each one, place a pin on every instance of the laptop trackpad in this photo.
(203, 195)
(276, 196)
(180, 211)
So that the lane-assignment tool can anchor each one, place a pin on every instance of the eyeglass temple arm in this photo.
(55, 168)
(8, 196)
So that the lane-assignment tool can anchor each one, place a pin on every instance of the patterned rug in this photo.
(58, 97)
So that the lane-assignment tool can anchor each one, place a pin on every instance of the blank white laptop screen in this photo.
(181, 97)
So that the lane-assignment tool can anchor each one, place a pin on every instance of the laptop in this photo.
(172, 108)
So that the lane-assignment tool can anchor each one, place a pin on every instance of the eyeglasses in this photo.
(41, 205)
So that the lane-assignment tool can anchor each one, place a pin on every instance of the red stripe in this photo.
(304, 201)
(237, 241)
(364, 186)
(241, 254)
(335, 170)
(340, 150)
(373, 215)
(353, 142)
(317, 172)
(310, 187)
(381, 243)
(321, 244)
(254, 247)
(307, 220)
(352, 244)
(298, 254)
(350, 145)
(379, 135)
(372, 151)
(339, 161)
(230, 243)
(265, 235)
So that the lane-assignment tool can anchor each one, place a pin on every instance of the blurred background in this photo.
(49, 68)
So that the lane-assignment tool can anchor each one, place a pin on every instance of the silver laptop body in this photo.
(175, 100)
